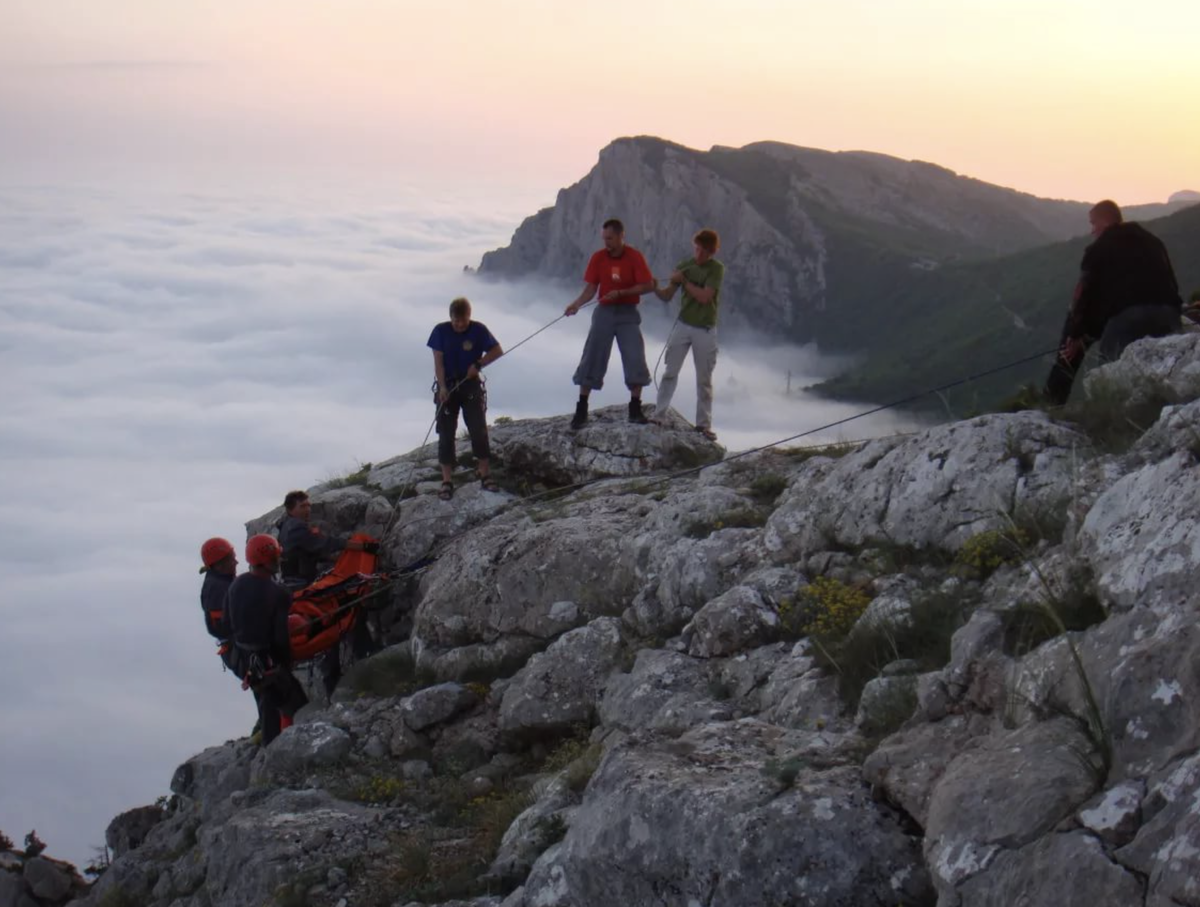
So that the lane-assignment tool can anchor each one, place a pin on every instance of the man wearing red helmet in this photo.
(257, 611)
(220, 565)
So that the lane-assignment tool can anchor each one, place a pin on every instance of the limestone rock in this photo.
(48, 879)
(305, 746)
(1061, 870)
(436, 704)
(533, 831)
(935, 489)
(909, 764)
(735, 620)
(1003, 794)
(211, 776)
(1164, 367)
(1167, 848)
(665, 691)
(607, 446)
(700, 818)
(129, 829)
(1143, 540)
(562, 686)
(1115, 815)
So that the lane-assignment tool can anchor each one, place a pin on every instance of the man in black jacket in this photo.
(306, 551)
(1126, 291)
(257, 610)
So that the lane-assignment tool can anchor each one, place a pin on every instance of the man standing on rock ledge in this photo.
(621, 275)
(701, 277)
(1126, 291)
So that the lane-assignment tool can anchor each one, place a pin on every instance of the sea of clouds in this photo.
(172, 362)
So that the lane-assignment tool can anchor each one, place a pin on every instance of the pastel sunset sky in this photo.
(1061, 98)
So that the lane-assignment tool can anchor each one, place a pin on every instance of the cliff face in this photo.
(815, 241)
(936, 668)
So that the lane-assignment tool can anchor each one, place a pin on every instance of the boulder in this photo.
(302, 747)
(665, 691)
(608, 445)
(561, 687)
(128, 830)
(211, 776)
(1142, 539)
(1059, 870)
(436, 704)
(935, 489)
(703, 819)
(48, 879)
(1004, 793)
(1166, 850)
(735, 620)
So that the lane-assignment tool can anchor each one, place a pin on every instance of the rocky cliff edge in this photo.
(953, 668)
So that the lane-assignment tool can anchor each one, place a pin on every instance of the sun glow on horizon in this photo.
(1058, 98)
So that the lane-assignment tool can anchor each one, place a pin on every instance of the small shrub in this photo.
(982, 554)
(740, 518)
(834, 451)
(720, 689)
(580, 772)
(33, 844)
(1030, 624)
(784, 771)
(923, 635)
(767, 487)
(568, 750)
(1113, 416)
(493, 815)
(380, 789)
(6, 843)
(502, 420)
(118, 897)
(832, 608)
(357, 477)
(386, 675)
(552, 829)
(888, 712)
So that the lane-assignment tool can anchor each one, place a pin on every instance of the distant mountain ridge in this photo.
(814, 240)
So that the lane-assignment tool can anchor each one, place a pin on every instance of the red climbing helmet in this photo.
(263, 551)
(214, 551)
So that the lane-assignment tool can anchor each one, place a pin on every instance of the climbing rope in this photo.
(412, 481)
(684, 473)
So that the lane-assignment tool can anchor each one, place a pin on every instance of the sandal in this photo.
(447, 491)
(488, 484)
(707, 432)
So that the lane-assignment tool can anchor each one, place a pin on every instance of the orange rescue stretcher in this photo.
(325, 610)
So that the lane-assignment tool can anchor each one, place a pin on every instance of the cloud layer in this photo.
(173, 363)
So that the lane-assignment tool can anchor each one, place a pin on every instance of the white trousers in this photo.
(703, 344)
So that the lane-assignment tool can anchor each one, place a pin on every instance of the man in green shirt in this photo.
(700, 277)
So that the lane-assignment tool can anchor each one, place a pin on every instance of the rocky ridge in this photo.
(816, 242)
(934, 669)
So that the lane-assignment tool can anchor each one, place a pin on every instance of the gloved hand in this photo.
(370, 547)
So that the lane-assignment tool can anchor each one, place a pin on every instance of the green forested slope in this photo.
(944, 324)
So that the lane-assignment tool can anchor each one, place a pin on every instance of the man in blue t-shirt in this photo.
(461, 348)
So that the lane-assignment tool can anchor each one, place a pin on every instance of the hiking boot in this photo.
(580, 418)
(636, 415)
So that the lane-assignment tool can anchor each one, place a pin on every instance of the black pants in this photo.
(469, 396)
(362, 645)
(279, 693)
(1122, 329)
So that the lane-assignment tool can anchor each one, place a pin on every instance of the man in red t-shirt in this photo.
(621, 275)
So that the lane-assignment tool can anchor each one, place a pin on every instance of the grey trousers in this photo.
(1134, 323)
(622, 323)
(703, 344)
